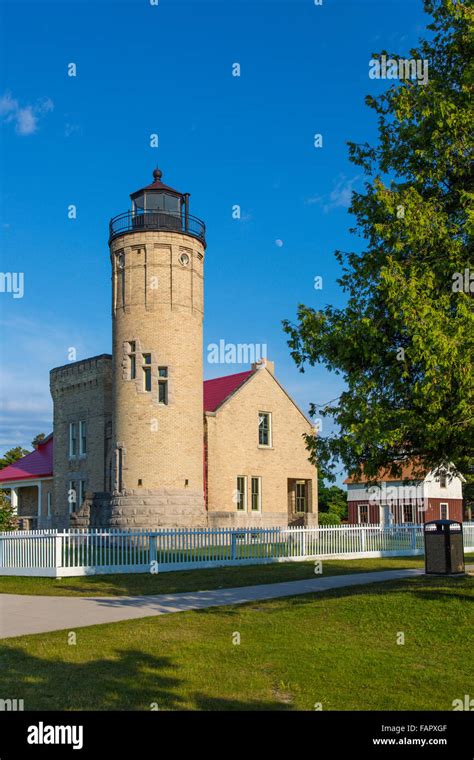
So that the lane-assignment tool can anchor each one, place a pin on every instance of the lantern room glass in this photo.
(154, 201)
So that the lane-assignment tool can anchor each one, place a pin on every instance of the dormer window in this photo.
(442, 480)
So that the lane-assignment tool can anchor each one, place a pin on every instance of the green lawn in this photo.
(338, 648)
(194, 580)
(197, 580)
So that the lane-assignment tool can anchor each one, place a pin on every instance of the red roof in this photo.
(38, 464)
(410, 470)
(216, 391)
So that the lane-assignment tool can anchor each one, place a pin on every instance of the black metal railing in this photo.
(132, 221)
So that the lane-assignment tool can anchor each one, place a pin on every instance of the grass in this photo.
(135, 584)
(338, 648)
(138, 584)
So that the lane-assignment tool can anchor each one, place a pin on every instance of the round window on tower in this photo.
(184, 259)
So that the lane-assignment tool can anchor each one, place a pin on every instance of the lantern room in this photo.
(158, 207)
(159, 197)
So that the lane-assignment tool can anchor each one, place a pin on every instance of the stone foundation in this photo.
(170, 508)
(166, 508)
(94, 513)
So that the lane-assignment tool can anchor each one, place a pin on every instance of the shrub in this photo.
(329, 518)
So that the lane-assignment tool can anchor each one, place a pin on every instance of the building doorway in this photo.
(299, 501)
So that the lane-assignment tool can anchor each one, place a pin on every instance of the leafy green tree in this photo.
(404, 341)
(8, 520)
(38, 439)
(329, 518)
(12, 456)
(331, 499)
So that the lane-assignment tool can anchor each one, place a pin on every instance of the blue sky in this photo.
(248, 140)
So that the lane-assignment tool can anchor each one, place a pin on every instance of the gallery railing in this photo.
(133, 221)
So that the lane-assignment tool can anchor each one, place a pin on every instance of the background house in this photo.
(404, 499)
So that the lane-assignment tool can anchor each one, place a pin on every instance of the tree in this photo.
(38, 439)
(404, 340)
(328, 518)
(8, 519)
(331, 499)
(12, 456)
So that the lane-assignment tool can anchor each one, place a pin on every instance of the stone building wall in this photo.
(81, 391)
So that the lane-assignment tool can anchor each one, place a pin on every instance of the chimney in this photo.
(264, 364)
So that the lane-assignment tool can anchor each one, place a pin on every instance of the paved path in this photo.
(22, 614)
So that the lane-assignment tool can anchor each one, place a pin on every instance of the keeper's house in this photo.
(413, 497)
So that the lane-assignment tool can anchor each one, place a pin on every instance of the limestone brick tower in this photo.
(157, 255)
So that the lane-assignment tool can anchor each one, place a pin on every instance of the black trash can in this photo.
(444, 548)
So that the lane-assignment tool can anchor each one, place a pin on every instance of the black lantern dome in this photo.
(158, 207)
(158, 197)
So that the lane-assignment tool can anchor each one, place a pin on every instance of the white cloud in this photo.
(70, 129)
(339, 197)
(24, 118)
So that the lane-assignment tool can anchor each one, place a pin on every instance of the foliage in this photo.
(8, 520)
(329, 518)
(12, 456)
(331, 498)
(404, 342)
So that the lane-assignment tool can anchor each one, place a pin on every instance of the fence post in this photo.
(362, 543)
(233, 546)
(413, 536)
(58, 558)
(152, 543)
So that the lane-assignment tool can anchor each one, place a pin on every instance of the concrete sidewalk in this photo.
(21, 614)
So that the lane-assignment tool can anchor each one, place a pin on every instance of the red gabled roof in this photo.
(38, 464)
(217, 390)
(410, 470)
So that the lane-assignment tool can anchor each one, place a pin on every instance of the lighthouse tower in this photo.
(157, 255)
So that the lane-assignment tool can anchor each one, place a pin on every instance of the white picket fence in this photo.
(95, 551)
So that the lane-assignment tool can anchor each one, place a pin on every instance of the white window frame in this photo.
(444, 504)
(359, 521)
(82, 437)
(305, 484)
(270, 431)
(81, 492)
(259, 479)
(244, 493)
(72, 427)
